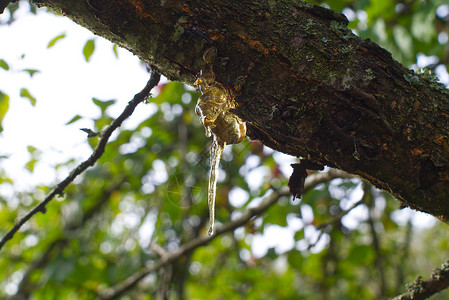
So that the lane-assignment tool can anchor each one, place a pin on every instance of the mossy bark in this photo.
(304, 83)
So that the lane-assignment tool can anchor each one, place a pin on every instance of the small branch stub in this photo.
(298, 177)
(90, 132)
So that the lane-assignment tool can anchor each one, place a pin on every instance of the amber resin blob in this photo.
(214, 107)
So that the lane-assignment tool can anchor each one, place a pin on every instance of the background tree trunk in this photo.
(306, 85)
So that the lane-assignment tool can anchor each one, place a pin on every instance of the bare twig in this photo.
(158, 250)
(99, 150)
(340, 215)
(269, 200)
(317, 178)
(420, 289)
(322, 227)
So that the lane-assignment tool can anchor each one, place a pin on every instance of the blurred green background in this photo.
(150, 188)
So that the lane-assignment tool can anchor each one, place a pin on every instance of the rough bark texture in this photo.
(306, 85)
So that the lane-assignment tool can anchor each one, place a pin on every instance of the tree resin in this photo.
(214, 107)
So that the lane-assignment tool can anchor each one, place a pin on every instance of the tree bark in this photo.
(304, 83)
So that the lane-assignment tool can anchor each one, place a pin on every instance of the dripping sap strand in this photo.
(215, 155)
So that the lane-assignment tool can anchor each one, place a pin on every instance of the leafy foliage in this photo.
(31, 72)
(55, 40)
(4, 65)
(26, 94)
(4, 105)
(150, 186)
(148, 192)
(89, 49)
(405, 28)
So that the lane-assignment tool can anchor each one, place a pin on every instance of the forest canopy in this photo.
(133, 224)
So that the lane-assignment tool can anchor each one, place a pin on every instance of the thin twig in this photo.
(251, 213)
(420, 289)
(59, 189)
(158, 250)
(56, 246)
(322, 227)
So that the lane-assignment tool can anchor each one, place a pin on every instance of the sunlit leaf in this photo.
(31, 71)
(115, 50)
(73, 120)
(26, 94)
(30, 164)
(4, 105)
(35, 155)
(103, 105)
(88, 49)
(55, 40)
(31, 149)
(4, 64)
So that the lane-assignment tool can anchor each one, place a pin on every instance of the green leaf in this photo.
(35, 154)
(103, 105)
(4, 65)
(114, 49)
(88, 49)
(31, 71)
(26, 94)
(31, 149)
(30, 165)
(4, 105)
(74, 119)
(55, 40)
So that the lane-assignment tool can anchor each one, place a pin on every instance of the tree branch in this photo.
(419, 289)
(99, 150)
(4, 4)
(57, 245)
(269, 200)
(307, 86)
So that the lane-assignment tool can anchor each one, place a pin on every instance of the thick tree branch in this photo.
(167, 258)
(305, 84)
(420, 289)
(59, 189)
